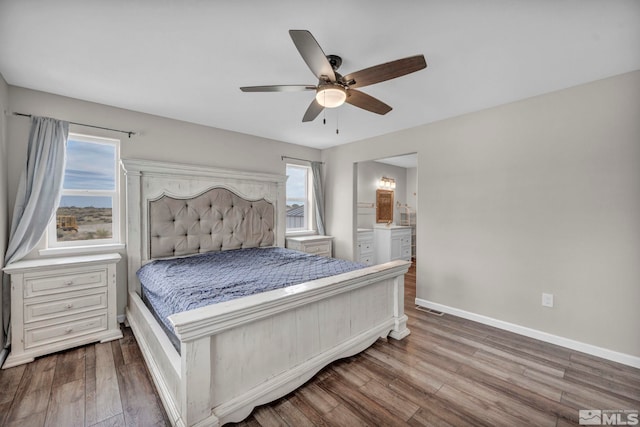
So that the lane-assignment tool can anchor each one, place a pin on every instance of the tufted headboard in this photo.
(215, 220)
(177, 210)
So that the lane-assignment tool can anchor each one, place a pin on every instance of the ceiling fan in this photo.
(334, 89)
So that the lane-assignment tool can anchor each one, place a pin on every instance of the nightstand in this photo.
(59, 303)
(317, 245)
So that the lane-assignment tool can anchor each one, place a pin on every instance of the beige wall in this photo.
(4, 205)
(160, 139)
(541, 195)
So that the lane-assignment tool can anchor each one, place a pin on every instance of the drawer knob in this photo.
(68, 283)
(68, 330)
(69, 306)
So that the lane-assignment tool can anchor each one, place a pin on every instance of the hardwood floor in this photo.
(96, 385)
(448, 372)
(455, 372)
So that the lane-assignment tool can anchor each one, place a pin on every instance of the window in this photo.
(88, 213)
(299, 199)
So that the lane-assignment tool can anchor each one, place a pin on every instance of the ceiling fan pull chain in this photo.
(324, 112)
(337, 122)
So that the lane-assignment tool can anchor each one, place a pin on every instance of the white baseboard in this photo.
(3, 356)
(121, 318)
(593, 350)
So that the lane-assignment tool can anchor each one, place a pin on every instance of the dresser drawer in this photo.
(63, 306)
(401, 234)
(36, 336)
(323, 248)
(365, 246)
(64, 282)
(366, 259)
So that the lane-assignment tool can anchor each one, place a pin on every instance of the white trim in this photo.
(301, 233)
(3, 355)
(81, 250)
(625, 359)
(308, 201)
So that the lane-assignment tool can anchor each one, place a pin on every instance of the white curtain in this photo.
(37, 199)
(318, 196)
(40, 184)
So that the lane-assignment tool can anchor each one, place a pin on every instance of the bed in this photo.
(234, 355)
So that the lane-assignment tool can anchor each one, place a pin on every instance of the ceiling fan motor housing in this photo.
(335, 61)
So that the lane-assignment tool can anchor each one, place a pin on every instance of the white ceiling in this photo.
(406, 161)
(186, 59)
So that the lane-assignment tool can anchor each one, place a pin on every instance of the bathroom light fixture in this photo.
(331, 96)
(387, 183)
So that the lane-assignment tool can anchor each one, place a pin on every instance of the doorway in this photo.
(376, 240)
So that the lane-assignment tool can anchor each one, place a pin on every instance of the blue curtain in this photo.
(37, 199)
(318, 196)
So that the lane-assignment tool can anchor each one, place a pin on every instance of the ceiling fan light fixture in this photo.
(331, 96)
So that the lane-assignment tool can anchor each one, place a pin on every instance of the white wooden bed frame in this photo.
(249, 351)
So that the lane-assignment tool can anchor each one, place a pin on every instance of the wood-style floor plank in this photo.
(29, 406)
(9, 381)
(448, 372)
(70, 366)
(67, 405)
(108, 401)
(137, 391)
(90, 411)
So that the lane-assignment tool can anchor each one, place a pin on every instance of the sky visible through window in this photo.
(90, 166)
(296, 184)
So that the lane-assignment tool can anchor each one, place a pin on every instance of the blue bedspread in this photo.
(175, 285)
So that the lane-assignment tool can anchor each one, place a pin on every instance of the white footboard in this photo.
(246, 352)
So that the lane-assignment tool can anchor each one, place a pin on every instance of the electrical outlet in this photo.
(547, 300)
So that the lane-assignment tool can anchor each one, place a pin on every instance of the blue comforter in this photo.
(175, 285)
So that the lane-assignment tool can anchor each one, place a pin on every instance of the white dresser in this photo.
(317, 245)
(59, 303)
(364, 246)
(392, 242)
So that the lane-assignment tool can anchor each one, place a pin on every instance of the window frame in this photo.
(309, 212)
(53, 245)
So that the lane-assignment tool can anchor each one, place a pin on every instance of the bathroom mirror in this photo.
(384, 206)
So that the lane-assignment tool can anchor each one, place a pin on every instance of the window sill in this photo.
(80, 250)
(301, 233)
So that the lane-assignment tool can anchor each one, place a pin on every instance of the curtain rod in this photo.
(295, 158)
(128, 132)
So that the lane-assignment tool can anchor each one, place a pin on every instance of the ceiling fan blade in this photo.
(278, 88)
(386, 71)
(312, 112)
(366, 102)
(312, 54)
